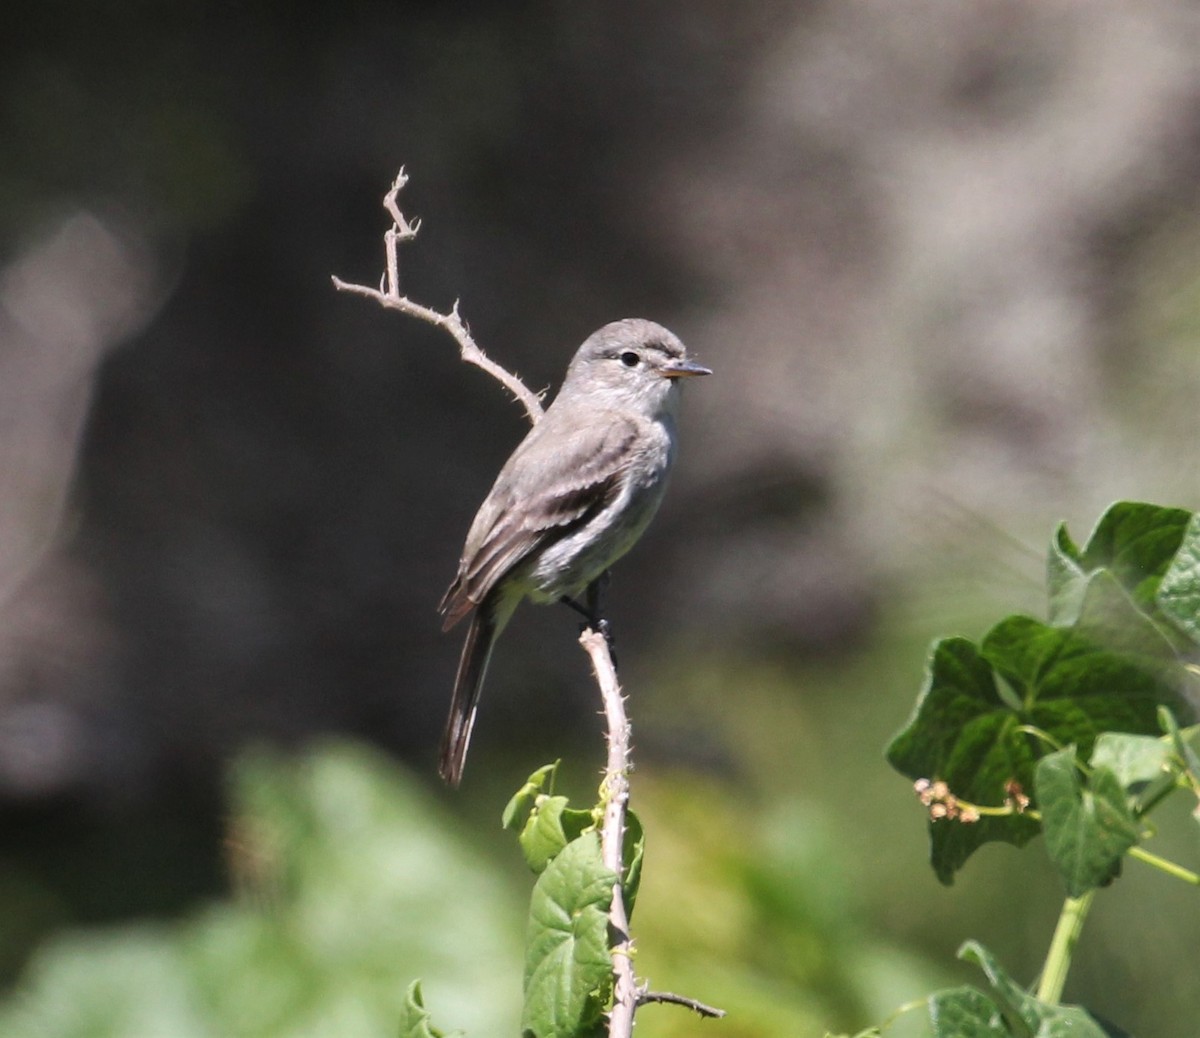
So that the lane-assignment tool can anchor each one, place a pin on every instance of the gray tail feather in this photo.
(472, 666)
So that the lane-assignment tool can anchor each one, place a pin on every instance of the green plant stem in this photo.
(1062, 947)
(1169, 867)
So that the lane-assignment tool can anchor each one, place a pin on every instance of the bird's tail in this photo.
(472, 666)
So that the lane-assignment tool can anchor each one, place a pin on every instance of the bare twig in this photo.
(388, 296)
(627, 996)
(712, 1012)
(612, 834)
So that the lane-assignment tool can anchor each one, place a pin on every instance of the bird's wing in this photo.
(545, 493)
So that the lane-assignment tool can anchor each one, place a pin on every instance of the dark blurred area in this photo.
(941, 257)
(234, 496)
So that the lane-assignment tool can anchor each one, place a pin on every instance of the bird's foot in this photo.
(589, 609)
(610, 638)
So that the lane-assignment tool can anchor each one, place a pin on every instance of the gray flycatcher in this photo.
(573, 498)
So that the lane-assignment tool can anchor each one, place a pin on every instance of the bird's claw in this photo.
(610, 638)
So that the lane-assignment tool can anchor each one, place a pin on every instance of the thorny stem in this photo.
(612, 833)
(388, 295)
(627, 995)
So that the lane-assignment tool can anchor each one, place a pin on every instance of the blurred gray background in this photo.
(943, 258)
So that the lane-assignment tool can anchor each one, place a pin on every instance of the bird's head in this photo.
(631, 363)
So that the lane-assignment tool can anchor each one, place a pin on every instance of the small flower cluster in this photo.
(1015, 796)
(936, 796)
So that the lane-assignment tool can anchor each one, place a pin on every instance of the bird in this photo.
(573, 497)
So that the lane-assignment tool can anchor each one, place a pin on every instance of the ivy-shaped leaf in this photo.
(1110, 670)
(963, 733)
(1133, 540)
(568, 969)
(1088, 823)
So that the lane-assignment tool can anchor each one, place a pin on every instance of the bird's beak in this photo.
(683, 369)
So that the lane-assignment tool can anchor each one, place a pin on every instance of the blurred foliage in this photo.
(351, 883)
(755, 909)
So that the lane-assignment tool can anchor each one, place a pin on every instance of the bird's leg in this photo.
(595, 592)
(590, 610)
(579, 607)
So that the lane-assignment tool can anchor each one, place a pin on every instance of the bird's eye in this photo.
(630, 359)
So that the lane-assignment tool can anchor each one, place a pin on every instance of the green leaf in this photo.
(551, 825)
(1013, 1001)
(1110, 670)
(1134, 759)
(1113, 653)
(568, 970)
(1179, 592)
(963, 733)
(351, 880)
(1026, 1016)
(633, 849)
(415, 1019)
(523, 799)
(1066, 577)
(1088, 823)
(1134, 541)
(965, 1012)
(1070, 1022)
